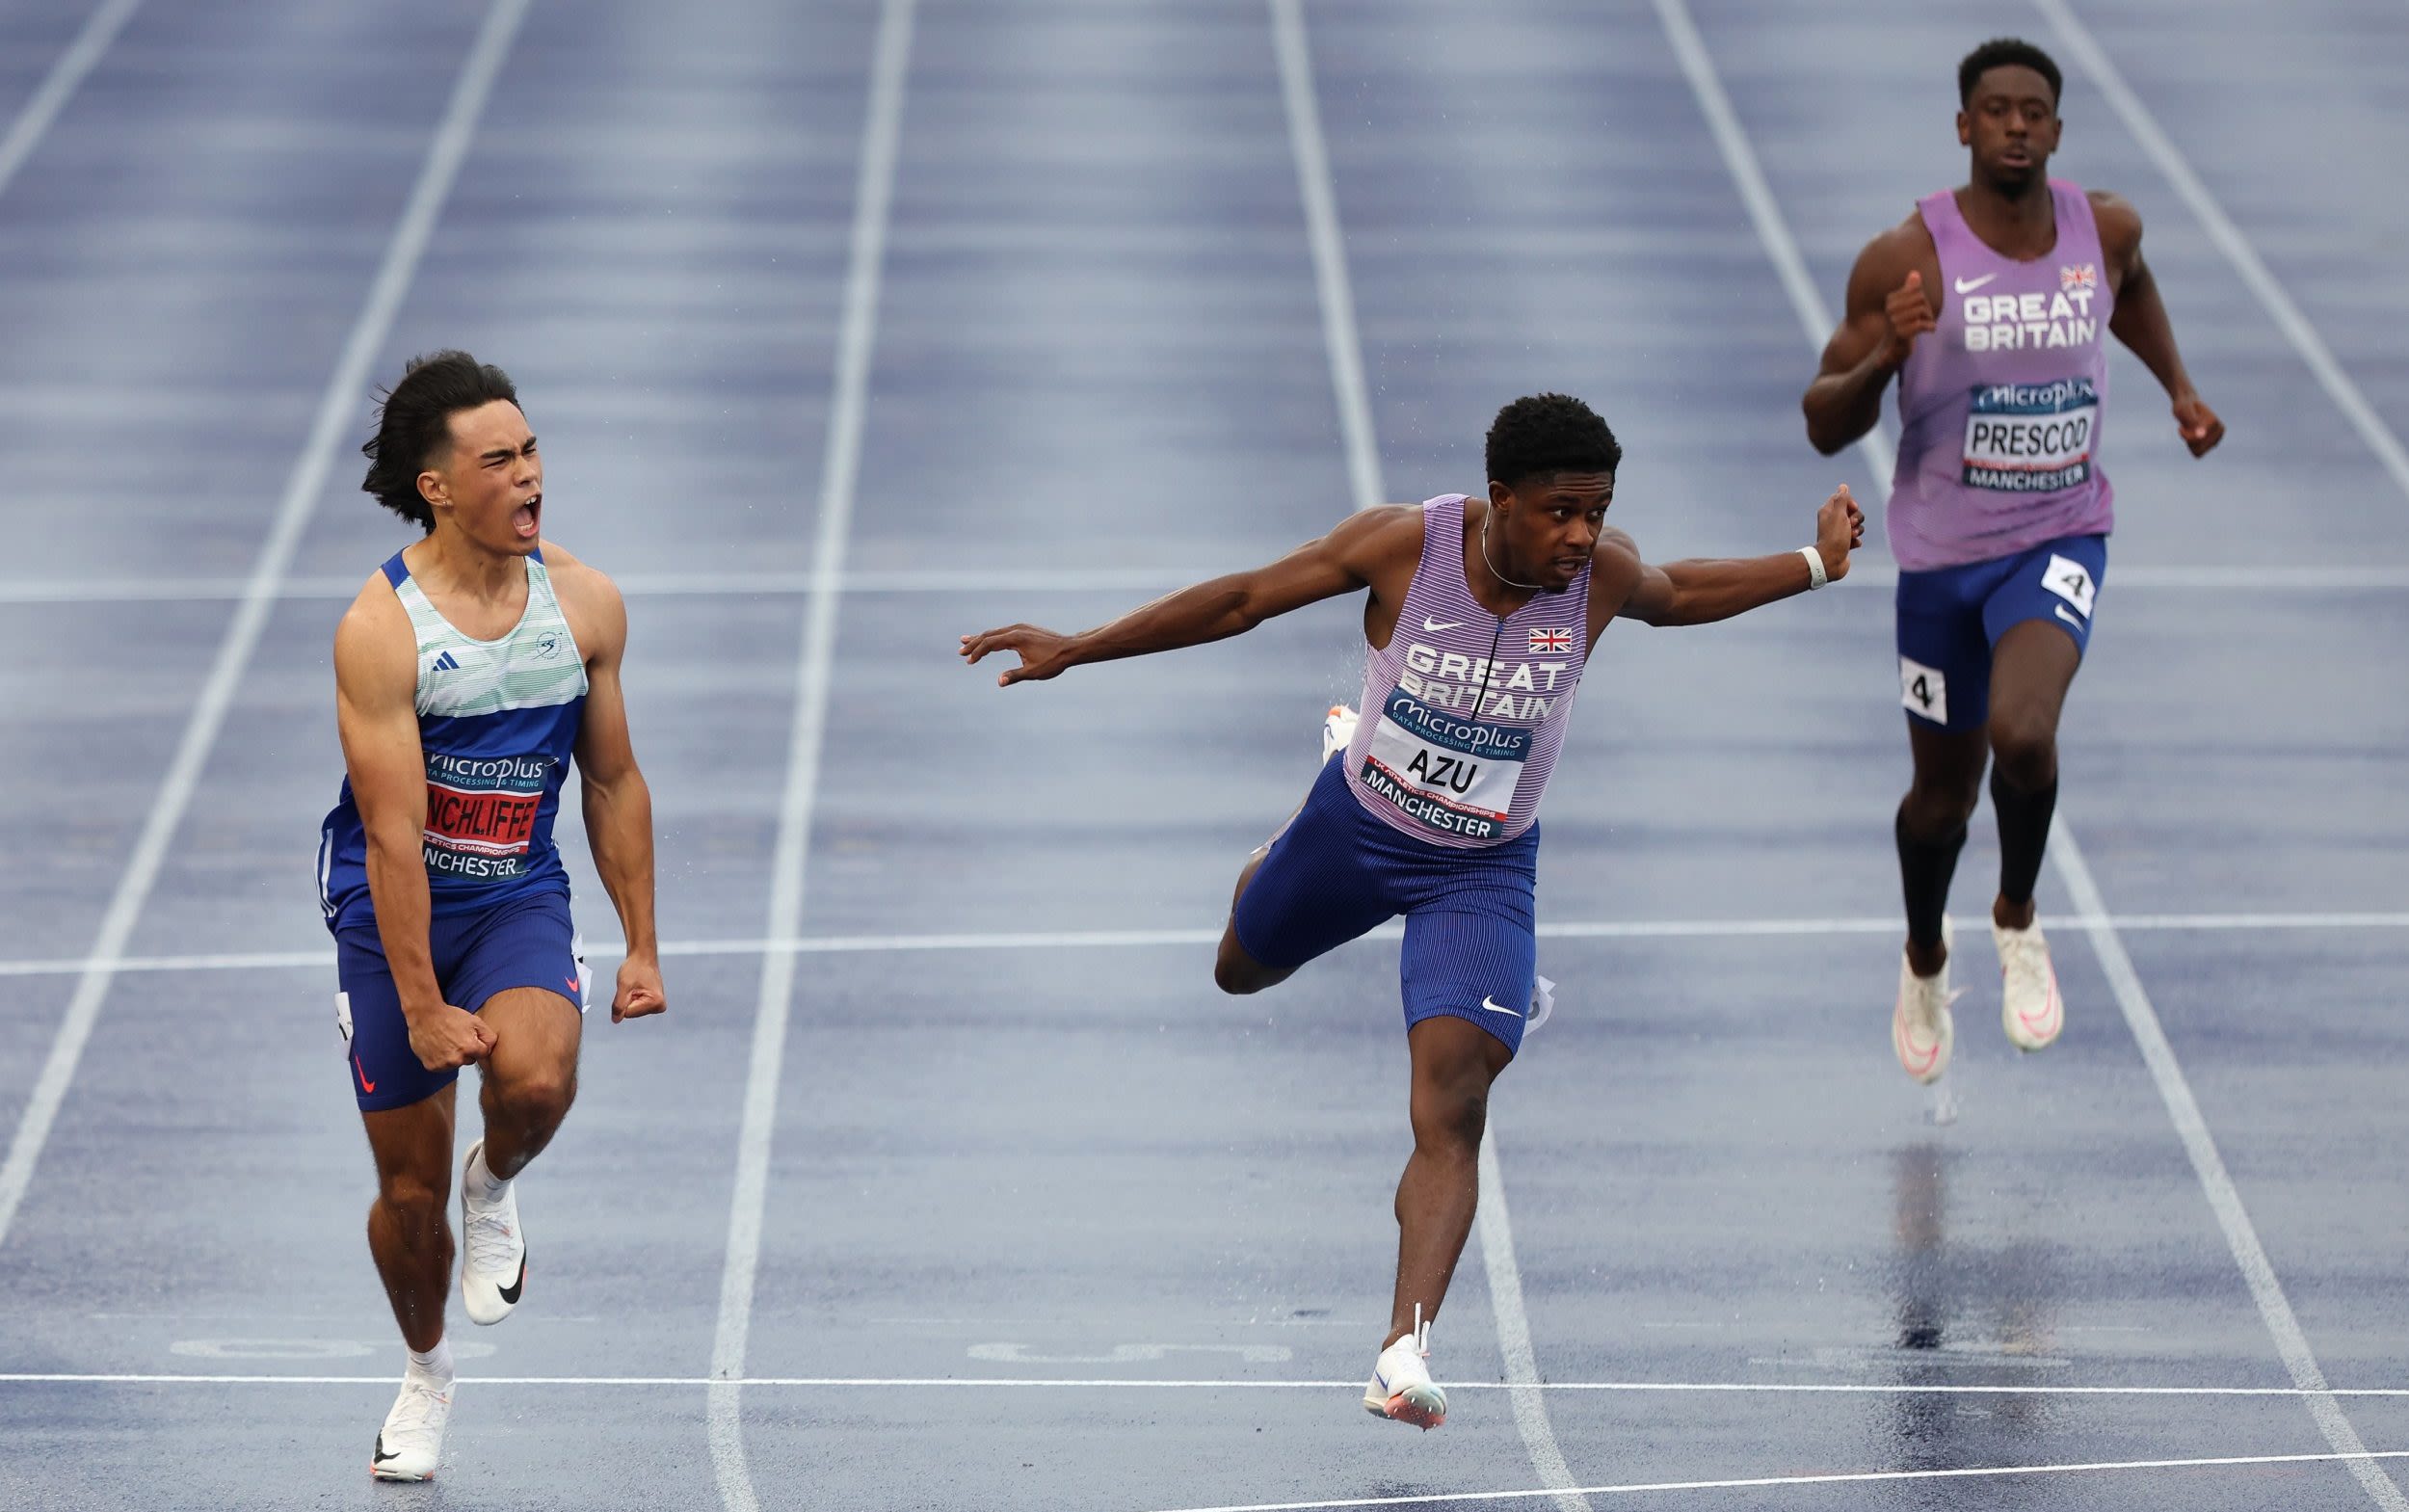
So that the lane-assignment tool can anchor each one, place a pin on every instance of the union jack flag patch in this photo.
(1551, 641)
(2084, 276)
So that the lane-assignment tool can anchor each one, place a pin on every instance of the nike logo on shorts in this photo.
(365, 1085)
(1495, 1008)
(2068, 618)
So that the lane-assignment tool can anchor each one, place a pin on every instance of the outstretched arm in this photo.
(2140, 322)
(1339, 563)
(1701, 592)
(616, 800)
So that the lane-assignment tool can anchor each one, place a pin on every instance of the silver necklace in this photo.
(1492, 567)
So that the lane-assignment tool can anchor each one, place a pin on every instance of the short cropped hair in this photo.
(1550, 434)
(414, 422)
(2007, 52)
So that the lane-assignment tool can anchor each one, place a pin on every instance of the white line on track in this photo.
(2303, 336)
(1330, 255)
(1145, 1384)
(841, 470)
(2067, 855)
(1878, 576)
(1141, 939)
(1838, 1478)
(2240, 1234)
(307, 480)
(1355, 422)
(66, 76)
(1514, 1331)
(1740, 158)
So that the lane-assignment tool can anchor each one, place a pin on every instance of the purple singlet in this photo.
(2000, 406)
(1463, 711)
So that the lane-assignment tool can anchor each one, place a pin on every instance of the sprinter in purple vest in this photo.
(1482, 612)
(1988, 302)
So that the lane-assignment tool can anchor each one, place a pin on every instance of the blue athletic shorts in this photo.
(527, 942)
(1337, 871)
(1951, 617)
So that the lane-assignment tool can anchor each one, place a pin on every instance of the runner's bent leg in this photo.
(530, 1078)
(1931, 830)
(407, 1230)
(2032, 666)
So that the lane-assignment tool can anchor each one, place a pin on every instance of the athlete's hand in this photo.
(1840, 529)
(1910, 316)
(639, 991)
(445, 1038)
(2201, 429)
(1042, 653)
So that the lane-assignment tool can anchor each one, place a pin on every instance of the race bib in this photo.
(480, 814)
(1448, 773)
(2031, 438)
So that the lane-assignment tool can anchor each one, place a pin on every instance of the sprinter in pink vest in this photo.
(1989, 304)
(1479, 615)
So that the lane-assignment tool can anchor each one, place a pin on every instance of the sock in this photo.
(434, 1365)
(488, 1185)
(1925, 867)
(2023, 830)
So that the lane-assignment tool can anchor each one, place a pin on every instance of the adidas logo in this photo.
(445, 663)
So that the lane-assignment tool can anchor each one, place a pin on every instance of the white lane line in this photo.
(1769, 1482)
(1513, 1333)
(2290, 1343)
(1140, 939)
(1141, 1384)
(60, 83)
(1340, 335)
(335, 406)
(840, 473)
(2240, 1234)
(2274, 577)
(1355, 420)
(1876, 448)
(66, 76)
(2303, 336)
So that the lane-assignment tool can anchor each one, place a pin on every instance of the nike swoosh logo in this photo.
(1969, 286)
(365, 1085)
(1435, 625)
(381, 1456)
(510, 1293)
(2068, 618)
(1494, 1008)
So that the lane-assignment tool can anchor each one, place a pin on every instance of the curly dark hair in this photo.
(2007, 52)
(1549, 433)
(414, 422)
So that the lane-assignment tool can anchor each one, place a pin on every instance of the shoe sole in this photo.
(1424, 1407)
(377, 1473)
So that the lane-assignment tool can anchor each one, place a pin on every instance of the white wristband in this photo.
(1816, 577)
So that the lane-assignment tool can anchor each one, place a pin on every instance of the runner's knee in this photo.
(1451, 1109)
(541, 1096)
(2023, 748)
(414, 1204)
(1936, 805)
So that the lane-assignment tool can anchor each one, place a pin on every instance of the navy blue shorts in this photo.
(527, 942)
(1951, 617)
(1337, 871)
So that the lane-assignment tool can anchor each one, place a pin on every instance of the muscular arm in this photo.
(2141, 323)
(376, 690)
(1703, 591)
(1886, 309)
(612, 792)
(1341, 562)
(376, 684)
